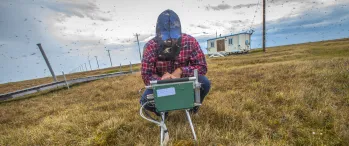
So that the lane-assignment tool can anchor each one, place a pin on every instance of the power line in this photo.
(254, 15)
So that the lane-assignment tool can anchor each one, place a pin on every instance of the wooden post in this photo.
(89, 62)
(65, 79)
(139, 48)
(47, 62)
(263, 25)
(97, 62)
(111, 63)
(131, 67)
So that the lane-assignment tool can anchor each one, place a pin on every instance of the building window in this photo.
(230, 41)
(247, 43)
(212, 44)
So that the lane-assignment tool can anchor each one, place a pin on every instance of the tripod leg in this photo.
(161, 128)
(191, 124)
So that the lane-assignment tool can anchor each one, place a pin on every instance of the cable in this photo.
(254, 15)
(151, 120)
(147, 114)
(165, 139)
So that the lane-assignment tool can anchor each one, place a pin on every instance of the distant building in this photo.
(235, 43)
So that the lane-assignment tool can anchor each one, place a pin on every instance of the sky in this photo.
(74, 33)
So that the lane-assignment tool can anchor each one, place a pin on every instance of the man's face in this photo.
(169, 50)
(170, 43)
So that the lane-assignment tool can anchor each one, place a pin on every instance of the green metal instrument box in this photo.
(174, 96)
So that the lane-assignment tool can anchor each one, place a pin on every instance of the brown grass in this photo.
(291, 95)
(13, 86)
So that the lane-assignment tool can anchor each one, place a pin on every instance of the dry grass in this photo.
(13, 86)
(292, 95)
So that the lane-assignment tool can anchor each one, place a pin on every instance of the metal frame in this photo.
(164, 136)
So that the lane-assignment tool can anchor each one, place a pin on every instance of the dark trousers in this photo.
(205, 88)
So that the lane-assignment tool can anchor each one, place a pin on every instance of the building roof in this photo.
(228, 36)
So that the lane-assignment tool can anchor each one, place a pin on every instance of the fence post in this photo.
(131, 67)
(65, 79)
(120, 67)
(47, 62)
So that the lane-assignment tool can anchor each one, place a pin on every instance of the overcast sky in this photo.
(73, 31)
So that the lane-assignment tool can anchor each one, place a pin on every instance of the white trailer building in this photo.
(235, 43)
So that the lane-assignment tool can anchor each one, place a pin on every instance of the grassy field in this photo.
(13, 86)
(291, 95)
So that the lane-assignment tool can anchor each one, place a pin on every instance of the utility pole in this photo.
(89, 62)
(264, 26)
(139, 48)
(47, 62)
(97, 62)
(111, 64)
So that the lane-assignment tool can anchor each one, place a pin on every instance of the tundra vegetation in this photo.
(290, 95)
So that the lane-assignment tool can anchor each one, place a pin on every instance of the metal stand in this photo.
(164, 137)
(167, 85)
(191, 124)
(162, 131)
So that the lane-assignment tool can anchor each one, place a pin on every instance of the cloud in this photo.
(239, 21)
(310, 19)
(80, 9)
(245, 6)
(218, 24)
(309, 26)
(230, 26)
(224, 6)
(218, 7)
(278, 2)
(200, 26)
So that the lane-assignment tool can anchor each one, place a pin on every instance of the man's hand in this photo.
(166, 76)
(177, 73)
